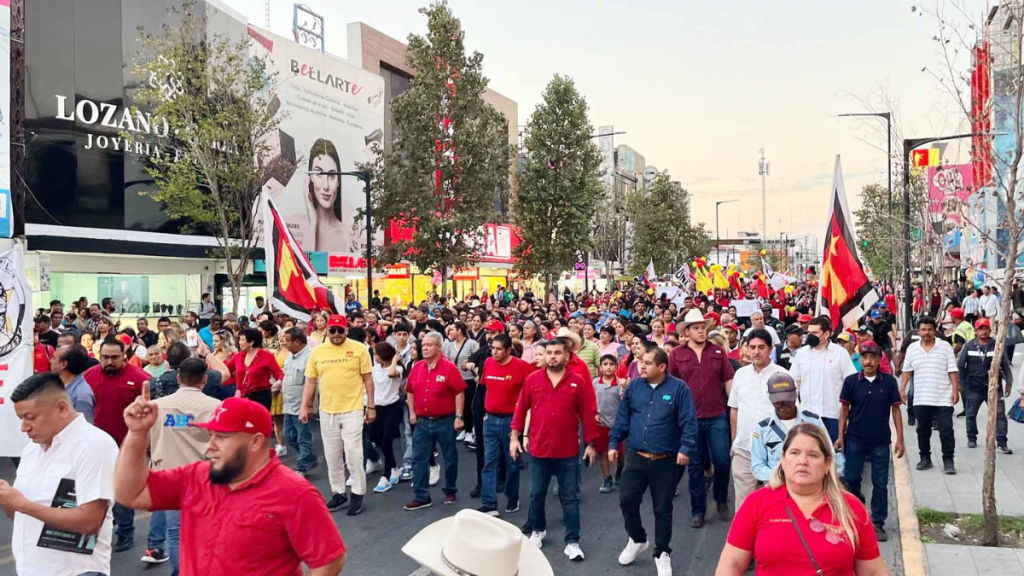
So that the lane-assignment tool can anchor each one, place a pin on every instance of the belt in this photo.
(435, 417)
(496, 415)
(649, 456)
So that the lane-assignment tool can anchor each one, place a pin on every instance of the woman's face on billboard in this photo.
(325, 186)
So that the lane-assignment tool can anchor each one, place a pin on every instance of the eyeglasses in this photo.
(817, 526)
(336, 331)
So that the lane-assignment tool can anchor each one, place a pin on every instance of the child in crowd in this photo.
(608, 388)
(155, 363)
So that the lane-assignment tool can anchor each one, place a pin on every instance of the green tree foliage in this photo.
(448, 168)
(662, 230)
(878, 232)
(209, 103)
(559, 184)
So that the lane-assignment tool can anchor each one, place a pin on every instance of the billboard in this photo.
(949, 187)
(331, 115)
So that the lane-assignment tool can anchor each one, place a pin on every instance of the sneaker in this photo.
(124, 544)
(394, 478)
(471, 446)
(382, 486)
(574, 552)
(488, 510)
(435, 475)
(406, 475)
(512, 507)
(450, 499)
(697, 522)
(337, 502)
(631, 551)
(962, 414)
(281, 450)
(972, 443)
(911, 421)
(357, 505)
(664, 564)
(1005, 449)
(880, 533)
(606, 486)
(924, 464)
(475, 492)
(947, 467)
(724, 513)
(461, 437)
(470, 438)
(373, 466)
(537, 538)
(417, 505)
(155, 556)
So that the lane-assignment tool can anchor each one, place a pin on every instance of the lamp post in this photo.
(718, 238)
(888, 129)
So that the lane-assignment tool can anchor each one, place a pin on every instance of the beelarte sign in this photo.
(336, 82)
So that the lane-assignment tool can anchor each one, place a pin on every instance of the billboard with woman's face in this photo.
(332, 113)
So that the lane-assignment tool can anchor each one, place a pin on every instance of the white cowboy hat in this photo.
(694, 316)
(565, 332)
(473, 543)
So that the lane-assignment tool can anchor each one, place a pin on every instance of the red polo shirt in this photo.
(705, 377)
(434, 391)
(762, 526)
(579, 367)
(268, 526)
(113, 394)
(556, 414)
(504, 382)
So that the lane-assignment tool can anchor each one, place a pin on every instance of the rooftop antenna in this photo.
(266, 14)
(763, 168)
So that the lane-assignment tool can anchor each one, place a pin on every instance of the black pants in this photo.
(261, 397)
(385, 429)
(943, 415)
(660, 475)
(478, 425)
(470, 410)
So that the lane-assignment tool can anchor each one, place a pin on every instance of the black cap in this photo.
(793, 329)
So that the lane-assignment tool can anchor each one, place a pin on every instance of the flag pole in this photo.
(269, 257)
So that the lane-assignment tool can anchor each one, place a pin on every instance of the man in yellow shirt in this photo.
(343, 370)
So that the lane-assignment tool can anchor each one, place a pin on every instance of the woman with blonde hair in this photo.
(803, 523)
(319, 333)
(224, 346)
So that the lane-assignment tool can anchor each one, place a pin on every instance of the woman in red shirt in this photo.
(803, 523)
(253, 368)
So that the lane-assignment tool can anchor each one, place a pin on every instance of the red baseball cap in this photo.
(732, 325)
(982, 322)
(494, 325)
(957, 312)
(125, 339)
(715, 316)
(240, 415)
(336, 321)
(804, 318)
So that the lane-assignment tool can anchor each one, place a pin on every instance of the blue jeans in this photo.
(495, 443)
(712, 442)
(427, 432)
(856, 454)
(406, 435)
(124, 522)
(157, 538)
(565, 470)
(299, 436)
(164, 534)
(832, 425)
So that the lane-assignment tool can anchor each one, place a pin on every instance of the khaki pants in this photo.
(343, 435)
(743, 480)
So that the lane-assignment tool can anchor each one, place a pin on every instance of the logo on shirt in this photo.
(440, 379)
(178, 420)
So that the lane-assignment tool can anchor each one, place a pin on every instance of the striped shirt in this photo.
(971, 304)
(931, 370)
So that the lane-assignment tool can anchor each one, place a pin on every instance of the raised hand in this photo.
(142, 414)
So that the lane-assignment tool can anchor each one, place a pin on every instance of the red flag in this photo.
(292, 282)
(762, 288)
(844, 293)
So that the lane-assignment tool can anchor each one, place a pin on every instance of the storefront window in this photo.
(148, 295)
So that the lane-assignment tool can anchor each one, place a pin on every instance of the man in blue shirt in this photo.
(206, 332)
(70, 362)
(658, 420)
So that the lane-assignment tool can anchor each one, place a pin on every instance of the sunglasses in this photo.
(336, 331)
(817, 526)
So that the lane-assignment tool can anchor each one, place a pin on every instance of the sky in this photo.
(700, 86)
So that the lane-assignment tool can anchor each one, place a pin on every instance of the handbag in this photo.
(1014, 335)
(1016, 413)
(817, 569)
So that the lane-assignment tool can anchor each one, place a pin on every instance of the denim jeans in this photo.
(427, 432)
(124, 522)
(660, 476)
(495, 447)
(299, 436)
(712, 442)
(832, 425)
(972, 402)
(157, 539)
(173, 538)
(565, 470)
(406, 435)
(856, 454)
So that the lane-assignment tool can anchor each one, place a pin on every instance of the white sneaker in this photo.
(374, 466)
(664, 564)
(383, 486)
(470, 438)
(574, 552)
(394, 479)
(435, 474)
(631, 551)
(461, 436)
(537, 538)
(281, 450)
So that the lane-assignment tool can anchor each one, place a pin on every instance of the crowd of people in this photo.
(192, 420)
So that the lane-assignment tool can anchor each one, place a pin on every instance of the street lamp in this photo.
(718, 238)
(888, 127)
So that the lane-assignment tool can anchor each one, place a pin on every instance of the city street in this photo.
(375, 537)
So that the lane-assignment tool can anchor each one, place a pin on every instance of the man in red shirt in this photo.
(115, 385)
(575, 364)
(706, 369)
(242, 511)
(503, 376)
(436, 400)
(559, 402)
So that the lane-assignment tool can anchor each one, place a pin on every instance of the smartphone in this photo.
(587, 461)
(192, 338)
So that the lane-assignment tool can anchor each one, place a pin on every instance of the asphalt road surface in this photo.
(375, 537)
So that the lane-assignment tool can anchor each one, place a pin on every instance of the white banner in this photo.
(15, 345)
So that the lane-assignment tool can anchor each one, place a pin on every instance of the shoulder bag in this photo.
(817, 569)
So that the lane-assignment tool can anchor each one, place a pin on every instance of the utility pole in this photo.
(763, 168)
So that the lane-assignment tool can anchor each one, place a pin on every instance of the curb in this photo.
(910, 531)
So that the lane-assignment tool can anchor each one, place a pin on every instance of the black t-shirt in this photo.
(880, 333)
(49, 338)
(149, 339)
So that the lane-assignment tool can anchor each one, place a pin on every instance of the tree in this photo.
(662, 230)
(208, 102)
(881, 234)
(559, 184)
(448, 168)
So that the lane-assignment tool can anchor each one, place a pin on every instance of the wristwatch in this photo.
(458, 417)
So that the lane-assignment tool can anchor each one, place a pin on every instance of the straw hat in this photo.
(474, 543)
(565, 332)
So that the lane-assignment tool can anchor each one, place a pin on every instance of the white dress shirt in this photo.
(749, 397)
(85, 454)
(819, 375)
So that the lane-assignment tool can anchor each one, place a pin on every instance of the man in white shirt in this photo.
(62, 497)
(819, 370)
(757, 321)
(932, 365)
(749, 404)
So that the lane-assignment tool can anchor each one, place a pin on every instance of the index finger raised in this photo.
(145, 390)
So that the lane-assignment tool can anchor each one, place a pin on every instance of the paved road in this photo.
(375, 537)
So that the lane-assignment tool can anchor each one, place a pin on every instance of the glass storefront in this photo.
(135, 295)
